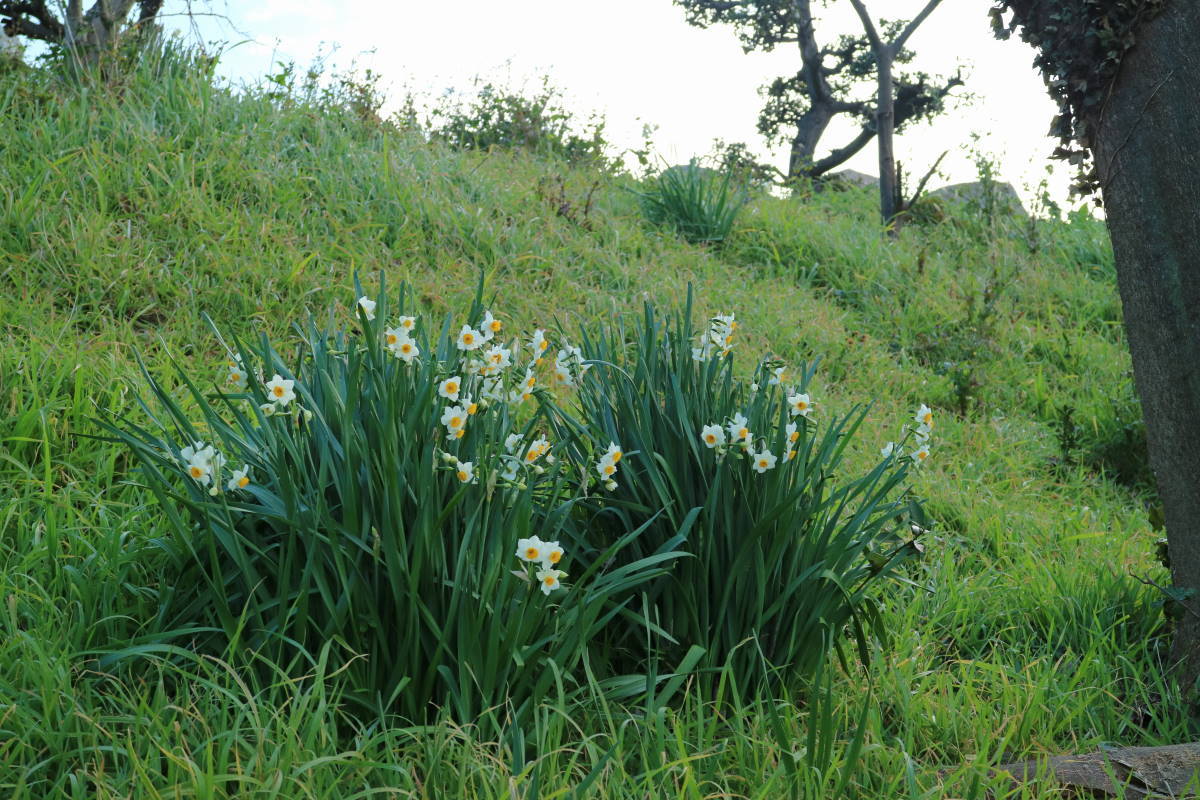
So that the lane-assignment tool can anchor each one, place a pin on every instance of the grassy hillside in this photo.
(130, 210)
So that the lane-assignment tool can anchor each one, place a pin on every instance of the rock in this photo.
(852, 177)
(10, 46)
(979, 194)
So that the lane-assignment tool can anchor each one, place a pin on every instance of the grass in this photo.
(128, 211)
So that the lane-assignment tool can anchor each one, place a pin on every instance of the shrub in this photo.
(785, 544)
(698, 203)
(362, 497)
(499, 116)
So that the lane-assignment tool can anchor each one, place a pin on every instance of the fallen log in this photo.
(1134, 773)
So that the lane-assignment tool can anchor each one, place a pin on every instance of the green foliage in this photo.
(503, 117)
(698, 203)
(781, 533)
(1080, 45)
(365, 523)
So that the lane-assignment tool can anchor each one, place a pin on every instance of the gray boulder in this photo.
(852, 177)
(979, 194)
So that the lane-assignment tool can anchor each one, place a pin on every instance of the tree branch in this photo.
(869, 26)
(43, 25)
(913, 25)
(843, 154)
(810, 53)
(925, 180)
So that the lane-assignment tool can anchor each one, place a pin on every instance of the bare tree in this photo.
(800, 107)
(86, 33)
(885, 102)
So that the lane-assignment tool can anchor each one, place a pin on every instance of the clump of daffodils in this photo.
(718, 339)
(924, 429)
(606, 466)
(545, 555)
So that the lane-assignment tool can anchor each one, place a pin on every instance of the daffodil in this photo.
(240, 478)
(789, 454)
(552, 553)
(512, 467)
(924, 418)
(613, 453)
(237, 375)
(455, 419)
(611, 485)
(367, 306)
(536, 450)
(763, 461)
(497, 359)
(492, 389)
(779, 376)
(470, 405)
(793, 435)
(512, 441)
(468, 339)
(562, 374)
(888, 449)
(280, 390)
(548, 579)
(606, 468)
(538, 344)
(489, 326)
(920, 454)
(268, 409)
(392, 336)
(450, 388)
(201, 460)
(532, 549)
(407, 324)
(738, 430)
(799, 405)
(712, 435)
(405, 349)
(464, 471)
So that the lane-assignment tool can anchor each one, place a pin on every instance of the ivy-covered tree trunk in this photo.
(1149, 171)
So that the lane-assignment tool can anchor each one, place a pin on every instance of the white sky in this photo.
(638, 61)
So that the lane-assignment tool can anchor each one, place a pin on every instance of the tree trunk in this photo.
(885, 118)
(1149, 171)
(809, 130)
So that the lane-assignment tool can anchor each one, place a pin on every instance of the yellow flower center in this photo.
(609, 469)
(555, 555)
(463, 475)
(616, 456)
(391, 338)
(495, 326)
(743, 433)
(462, 432)
(456, 422)
(196, 472)
(407, 324)
(406, 348)
(497, 358)
(451, 387)
(550, 580)
(531, 553)
(921, 454)
(243, 482)
(468, 338)
(471, 409)
(791, 454)
(277, 391)
(728, 339)
(800, 404)
(710, 438)
(927, 419)
(530, 382)
(542, 344)
(794, 436)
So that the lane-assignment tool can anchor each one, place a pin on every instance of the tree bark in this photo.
(885, 125)
(809, 130)
(1149, 171)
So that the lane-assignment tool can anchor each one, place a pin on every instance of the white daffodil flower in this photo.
(763, 461)
(888, 449)
(779, 376)
(532, 549)
(924, 418)
(613, 453)
(468, 339)
(280, 390)
(738, 430)
(536, 450)
(268, 409)
(237, 377)
(712, 435)
(799, 405)
(405, 349)
(450, 387)
(455, 419)
(920, 454)
(367, 306)
(548, 578)
(489, 326)
(512, 441)
(240, 478)
(793, 435)
(606, 468)
(552, 553)
(464, 471)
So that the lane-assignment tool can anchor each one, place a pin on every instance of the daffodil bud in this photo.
(449, 459)
(610, 485)
(308, 415)
(549, 458)
(539, 469)
(213, 492)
